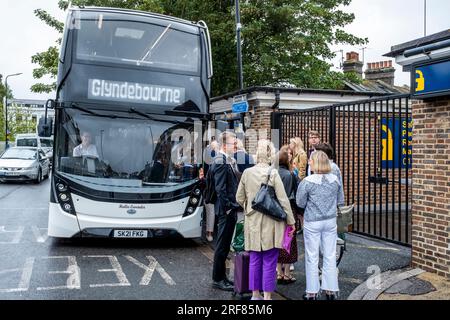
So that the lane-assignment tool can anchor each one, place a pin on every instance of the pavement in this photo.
(374, 270)
(363, 258)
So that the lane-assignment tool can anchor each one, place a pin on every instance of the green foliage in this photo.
(284, 42)
(2, 111)
(19, 121)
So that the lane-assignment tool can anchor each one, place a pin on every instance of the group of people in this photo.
(308, 186)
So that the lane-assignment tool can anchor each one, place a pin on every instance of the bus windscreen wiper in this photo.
(149, 51)
(75, 106)
(187, 113)
(133, 110)
(145, 115)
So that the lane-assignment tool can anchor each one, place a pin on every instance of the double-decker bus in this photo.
(128, 81)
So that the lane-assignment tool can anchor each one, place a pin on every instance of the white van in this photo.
(33, 140)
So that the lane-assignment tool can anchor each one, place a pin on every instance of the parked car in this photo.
(24, 163)
(35, 141)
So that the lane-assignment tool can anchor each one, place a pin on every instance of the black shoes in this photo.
(331, 297)
(223, 285)
(229, 281)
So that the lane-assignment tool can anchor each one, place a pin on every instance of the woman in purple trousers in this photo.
(263, 235)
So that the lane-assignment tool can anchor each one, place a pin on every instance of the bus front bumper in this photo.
(64, 225)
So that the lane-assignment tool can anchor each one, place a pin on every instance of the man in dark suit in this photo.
(226, 180)
(244, 160)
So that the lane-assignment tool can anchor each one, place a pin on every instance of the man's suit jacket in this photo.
(226, 184)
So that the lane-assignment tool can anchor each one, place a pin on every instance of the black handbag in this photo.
(267, 203)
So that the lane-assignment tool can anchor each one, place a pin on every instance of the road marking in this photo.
(372, 247)
(208, 252)
(9, 192)
(18, 234)
(150, 269)
(40, 238)
(25, 279)
(73, 281)
(117, 269)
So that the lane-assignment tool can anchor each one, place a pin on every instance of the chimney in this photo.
(352, 64)
(382, 70)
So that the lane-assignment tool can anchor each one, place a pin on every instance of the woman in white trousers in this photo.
(320, 194)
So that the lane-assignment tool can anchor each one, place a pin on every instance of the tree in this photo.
(2, 110)
(284, 42)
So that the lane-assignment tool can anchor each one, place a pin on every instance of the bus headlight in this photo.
(190, 210)
(63, 196)
(194, 201)
(61, 187)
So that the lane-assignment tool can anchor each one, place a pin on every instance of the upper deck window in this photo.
(106, 38)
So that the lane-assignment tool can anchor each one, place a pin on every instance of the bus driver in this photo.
(86, 148)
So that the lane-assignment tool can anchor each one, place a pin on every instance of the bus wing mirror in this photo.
(45, 125)
(50, 104)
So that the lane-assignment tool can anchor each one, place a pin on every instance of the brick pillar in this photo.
(261, 124)
(431, 186)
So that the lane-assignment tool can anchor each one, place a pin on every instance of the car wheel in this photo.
(39, 177)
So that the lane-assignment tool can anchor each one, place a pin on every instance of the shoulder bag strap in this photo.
(268, 175)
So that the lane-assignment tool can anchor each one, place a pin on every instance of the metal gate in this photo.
(372, 140)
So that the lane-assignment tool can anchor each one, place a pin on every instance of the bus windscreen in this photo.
(103, 37)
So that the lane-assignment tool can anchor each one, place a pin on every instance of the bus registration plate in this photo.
(130, 233)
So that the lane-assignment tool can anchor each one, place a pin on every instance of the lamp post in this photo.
(239, 55)
(6, 107)
(425, 18)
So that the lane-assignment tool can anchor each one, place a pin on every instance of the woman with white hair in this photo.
(263, 235)
(320, 194)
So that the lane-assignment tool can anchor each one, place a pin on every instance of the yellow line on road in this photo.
(372, 247)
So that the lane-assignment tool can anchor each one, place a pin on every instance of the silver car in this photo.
(22, 163)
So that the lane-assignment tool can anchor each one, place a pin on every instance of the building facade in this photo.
(24, 114)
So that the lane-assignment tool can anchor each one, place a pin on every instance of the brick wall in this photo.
(431, 190)
(260, 126)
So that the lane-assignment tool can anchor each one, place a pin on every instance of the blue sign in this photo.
(431, 80)
(396, 143)
(240, 107)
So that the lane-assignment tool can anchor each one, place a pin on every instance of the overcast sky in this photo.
(384, 22)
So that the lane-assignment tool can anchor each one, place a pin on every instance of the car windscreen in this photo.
(22, 154)
(106, 37)
(27, 142)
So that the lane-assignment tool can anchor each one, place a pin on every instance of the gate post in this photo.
(332, 129)
(275, 124)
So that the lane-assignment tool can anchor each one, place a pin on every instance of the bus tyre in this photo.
(39, 177)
